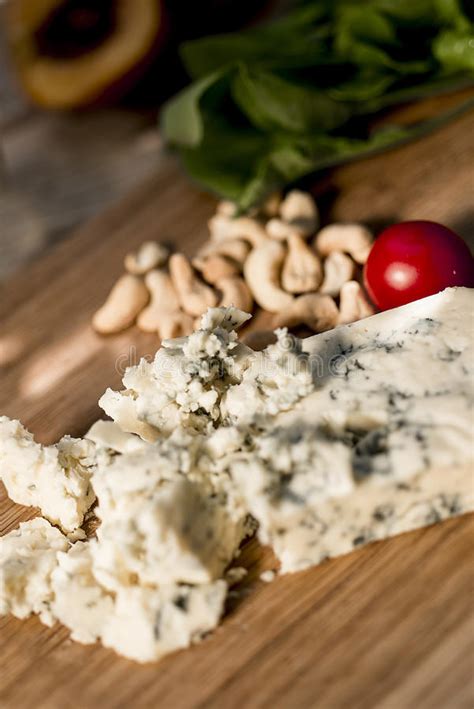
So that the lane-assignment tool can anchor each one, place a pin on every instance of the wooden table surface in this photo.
(390, 625)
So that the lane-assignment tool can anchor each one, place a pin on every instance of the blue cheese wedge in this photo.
(56, 479)
(382, 445)
(27, 561)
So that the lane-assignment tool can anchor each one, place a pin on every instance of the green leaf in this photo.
(274, 104)
(367, 85)
(430, 87)
(410, 12)
(265, 180)
(367, 24)
(181, 118)
(227, 157)
(321, 151)
(300, 39)
(365, 37)
(450, 13)
(455, 50)
(266, 165)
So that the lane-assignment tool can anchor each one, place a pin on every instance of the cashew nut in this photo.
(215, 267)
(236, 249)
(194, 295)
(222, 227)
(280, 230)
(353, 304)
(338, 269)
(302, 271)
(300, 211)
(226, 208)
(262, 274)
(316, 311)
(354, 239)
(149, 255)
(126, 299)
(175, 324)
(235, 292)
(163, 301)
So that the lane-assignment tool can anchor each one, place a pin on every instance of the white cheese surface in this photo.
(107, 435)
(27, 561)
(388, 425)
(185, 382)
(163, 520)
(149, 623)
(328, 443)
(56, 479)
(79, 602)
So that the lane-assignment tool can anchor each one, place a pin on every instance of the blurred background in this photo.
(82, 81)
(79, 131)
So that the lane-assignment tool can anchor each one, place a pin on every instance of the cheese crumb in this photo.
(27, 561)
(185, 382)
(268, 576)
(56, 479)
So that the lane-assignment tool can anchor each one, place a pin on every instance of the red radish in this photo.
(412, 260)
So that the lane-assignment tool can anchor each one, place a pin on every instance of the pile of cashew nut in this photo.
(276, 257)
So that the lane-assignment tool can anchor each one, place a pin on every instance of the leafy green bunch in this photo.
(272, 104)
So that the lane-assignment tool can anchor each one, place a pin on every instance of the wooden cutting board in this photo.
(390, 625)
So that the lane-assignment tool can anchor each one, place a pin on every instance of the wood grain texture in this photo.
(389, 626)
(59, 169)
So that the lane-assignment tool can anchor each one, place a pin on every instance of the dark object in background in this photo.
(187, 20)
(280, 102)
(194, 19)
(74, 53)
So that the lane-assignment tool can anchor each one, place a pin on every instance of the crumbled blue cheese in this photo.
(107, 435)
(162, 519)
(268, 576)
(148, 623)
(185, 382)
(274, 380)
(353, 435)
(382, 445)
(78, 601)
(235, 575)
(54, 478)
(27, 561)
(42, 573)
